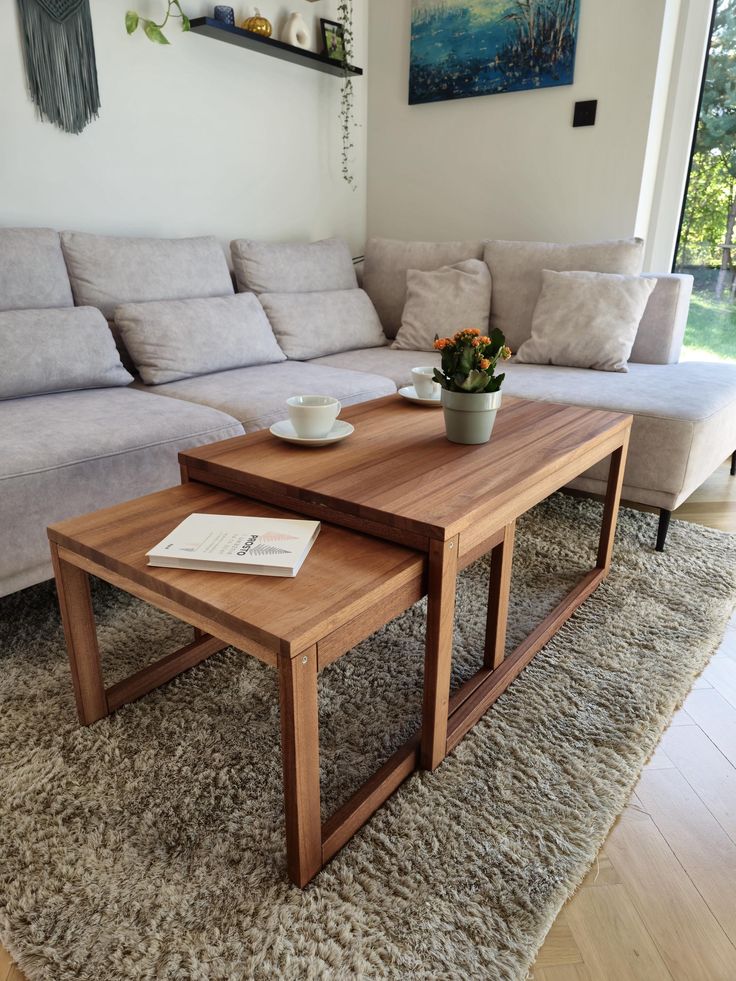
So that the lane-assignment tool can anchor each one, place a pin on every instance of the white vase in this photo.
(469, 416)
(296, 32)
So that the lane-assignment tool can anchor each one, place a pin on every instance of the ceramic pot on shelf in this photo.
(469, 416)
(296, 33)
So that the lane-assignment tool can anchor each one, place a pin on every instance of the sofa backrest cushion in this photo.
(108, 271)
(173, 339)
(586, 320)
(516, 270)
(32, 270)
(443, 301)
(387, 262)
(293, 267)
(59, 350)
(662, 328)
(313, 325)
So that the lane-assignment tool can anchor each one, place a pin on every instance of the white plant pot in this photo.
(296, 32)
(469, 416)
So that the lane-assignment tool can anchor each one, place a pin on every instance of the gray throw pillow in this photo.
(173, 339)
(442, 302)
(586, 320)
(63, 350)
(32, 270)
(516, 269)
(293, 267)
(106, 271)
(312, 325)
(387, 262)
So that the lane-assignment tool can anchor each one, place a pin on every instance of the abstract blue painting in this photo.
(464, 48)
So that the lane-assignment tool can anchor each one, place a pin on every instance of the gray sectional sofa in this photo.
(94, 443)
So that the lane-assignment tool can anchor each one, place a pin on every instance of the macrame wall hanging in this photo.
(59, 52)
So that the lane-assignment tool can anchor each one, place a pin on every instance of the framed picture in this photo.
(333, 39)
(465, 48)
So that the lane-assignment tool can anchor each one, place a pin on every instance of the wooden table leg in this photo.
(78, 620)
(300, 752)
(499, 588)
(611, 506)
(438, 653)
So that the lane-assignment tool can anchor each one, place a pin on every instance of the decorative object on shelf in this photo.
(464, 48)
(296, 32)
(226, 15)
(152, 30)
(258, 24)
(333, 39)
(59, 55)
(470, 387)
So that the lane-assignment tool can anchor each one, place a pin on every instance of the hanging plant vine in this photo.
(152, 30)
(347, 104)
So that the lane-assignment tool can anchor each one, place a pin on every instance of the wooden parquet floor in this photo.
(660, 902)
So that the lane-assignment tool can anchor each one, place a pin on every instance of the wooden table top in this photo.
(342, 574)
(400, 473)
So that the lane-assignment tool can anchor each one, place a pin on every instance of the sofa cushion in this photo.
(586, 320)
(311, 325)
(65, 455)
(387, 262)
(106, 271)
(391, 362)
(32, 270)
(173, 339)
(257, 396)
(293, 267)
(57, 351)
(662, 328)
(516, 270)
(443, 301)
(684, 420)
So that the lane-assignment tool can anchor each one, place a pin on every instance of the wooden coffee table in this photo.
(349, 586)
(399, 479)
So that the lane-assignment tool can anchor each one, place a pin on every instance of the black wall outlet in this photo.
(585, 113)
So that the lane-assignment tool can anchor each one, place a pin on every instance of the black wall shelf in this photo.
(267, 45)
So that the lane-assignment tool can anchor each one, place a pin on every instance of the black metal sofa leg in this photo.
(664, 524)
(733, 464)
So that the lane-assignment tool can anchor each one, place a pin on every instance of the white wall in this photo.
(511, 165)
(198, 137)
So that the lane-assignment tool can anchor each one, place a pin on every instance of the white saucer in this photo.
(410, 393)
(284, 430)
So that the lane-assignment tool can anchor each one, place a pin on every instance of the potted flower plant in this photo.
(470, 387)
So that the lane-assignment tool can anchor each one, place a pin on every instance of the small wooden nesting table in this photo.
(349, 586)
(399, 479)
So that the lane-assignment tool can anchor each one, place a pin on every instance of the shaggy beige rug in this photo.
(151, 846)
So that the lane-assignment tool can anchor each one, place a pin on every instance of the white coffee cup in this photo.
(424, 384)
(313, 416)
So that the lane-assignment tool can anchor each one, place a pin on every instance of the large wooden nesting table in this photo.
(402, 510)
(399, 479)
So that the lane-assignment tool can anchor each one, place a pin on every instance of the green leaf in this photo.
(186, 24)
(154, 33)
(475, 381)
(131, 21)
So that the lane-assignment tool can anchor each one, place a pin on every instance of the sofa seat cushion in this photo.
(65, 455)
(257, 396)
(391, 362)
(684, 419)
(32, 270)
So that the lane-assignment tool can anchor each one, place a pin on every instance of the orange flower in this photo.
(485, 340)
(476, 342)
(505, 352)
(485, 364)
